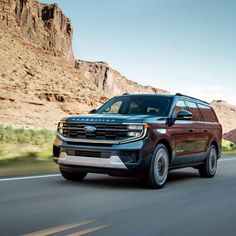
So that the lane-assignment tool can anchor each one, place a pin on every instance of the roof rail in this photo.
(183, 95)
(125, 94)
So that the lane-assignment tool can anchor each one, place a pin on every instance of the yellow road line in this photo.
(89, 230)
(58, 229)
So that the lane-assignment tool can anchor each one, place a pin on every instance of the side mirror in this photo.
(184, 115)
(93, 111)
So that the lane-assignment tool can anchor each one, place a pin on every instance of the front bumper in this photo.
(133, 156)
(111, 162)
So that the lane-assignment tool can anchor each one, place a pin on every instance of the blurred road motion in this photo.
(103, 205)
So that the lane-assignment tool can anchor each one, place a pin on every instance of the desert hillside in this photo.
(38, 83)
(110, 81)
(41, 81)
(227, 116)
(37, 89)
(43, 24)
(230, 136)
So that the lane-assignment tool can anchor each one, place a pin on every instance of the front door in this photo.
(183, 135)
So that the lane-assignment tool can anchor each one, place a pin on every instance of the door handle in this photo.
(205, 130)
(191, 130)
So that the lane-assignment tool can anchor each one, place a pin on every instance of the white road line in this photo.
(29, 177)
(228, 159)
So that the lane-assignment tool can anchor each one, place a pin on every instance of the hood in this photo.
(106, 118)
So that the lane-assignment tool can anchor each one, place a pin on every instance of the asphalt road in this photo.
(103, 205)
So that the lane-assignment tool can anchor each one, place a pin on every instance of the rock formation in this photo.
(43, 24)
(230, 136)
(226, 114)
(110, 81)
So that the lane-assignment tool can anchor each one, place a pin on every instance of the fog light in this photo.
(129, 156)
(133, 134)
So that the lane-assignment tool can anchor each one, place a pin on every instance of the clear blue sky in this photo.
(183, 46)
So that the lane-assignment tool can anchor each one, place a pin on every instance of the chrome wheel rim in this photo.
(161, 166)
(213, 162)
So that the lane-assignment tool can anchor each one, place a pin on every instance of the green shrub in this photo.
(228, 146)
(25, 136)
(18, 143)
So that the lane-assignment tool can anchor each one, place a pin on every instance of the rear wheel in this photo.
(73, 176)
(159, 168)
(208, 169)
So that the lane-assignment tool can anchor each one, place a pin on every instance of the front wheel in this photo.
(73, 176)
(159, 168)
(208, 169)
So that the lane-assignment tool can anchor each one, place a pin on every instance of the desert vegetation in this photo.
(25, 151)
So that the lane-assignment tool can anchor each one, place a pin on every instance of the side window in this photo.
(207, 113)
(180, 105)
(192, 107)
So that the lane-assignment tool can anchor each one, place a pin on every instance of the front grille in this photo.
(103, 131)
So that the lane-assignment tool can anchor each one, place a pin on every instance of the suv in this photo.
(141, 135)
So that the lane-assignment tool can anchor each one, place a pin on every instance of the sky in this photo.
(184, 46)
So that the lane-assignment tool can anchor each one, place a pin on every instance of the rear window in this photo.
(207, 113)
(192, 107)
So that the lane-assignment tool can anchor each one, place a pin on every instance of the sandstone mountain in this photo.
(37, 89)
(44, 25)
(40, 81)
(230, 136)
(227, 115)
(111, 82)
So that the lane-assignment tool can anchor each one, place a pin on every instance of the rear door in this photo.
(199, 134)
(212, 128)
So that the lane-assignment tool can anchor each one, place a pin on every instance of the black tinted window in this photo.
(137, 105)
(192, 107)
(207, 113)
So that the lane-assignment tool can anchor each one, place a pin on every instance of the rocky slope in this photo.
(110, 81)
(227, 116)
(230, 136)
(38, 89)
(43, 24)
(39, 82)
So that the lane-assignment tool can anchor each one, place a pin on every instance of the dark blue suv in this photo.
(140, 135)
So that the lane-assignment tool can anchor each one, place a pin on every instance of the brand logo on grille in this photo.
(89, 129)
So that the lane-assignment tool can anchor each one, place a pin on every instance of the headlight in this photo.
(135, 127)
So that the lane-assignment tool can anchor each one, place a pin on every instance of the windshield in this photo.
(156, 105)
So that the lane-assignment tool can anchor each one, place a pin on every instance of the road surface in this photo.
(103, 205)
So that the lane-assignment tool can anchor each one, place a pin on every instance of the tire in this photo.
(209, 168)
(73, 176)
(159, 168)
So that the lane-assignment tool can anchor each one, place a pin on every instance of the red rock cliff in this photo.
(110, 81)
(43, 24)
